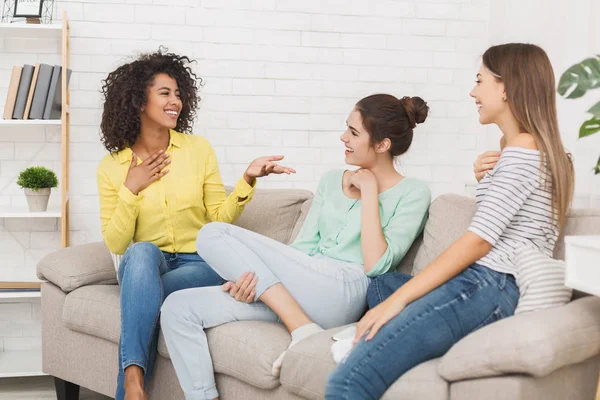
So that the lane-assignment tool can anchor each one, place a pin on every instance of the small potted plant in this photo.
(37, 182)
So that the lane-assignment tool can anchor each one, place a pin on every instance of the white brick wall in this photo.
(280, 78)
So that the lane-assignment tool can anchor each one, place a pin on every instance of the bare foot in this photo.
(135, 394)
(134, 383)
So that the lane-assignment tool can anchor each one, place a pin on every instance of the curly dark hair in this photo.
(124, 92)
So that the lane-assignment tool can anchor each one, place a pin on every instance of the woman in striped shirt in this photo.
(522, 201)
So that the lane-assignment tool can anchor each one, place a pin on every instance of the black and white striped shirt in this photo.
(514, 209)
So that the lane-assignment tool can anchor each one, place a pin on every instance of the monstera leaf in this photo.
(580, 78)
(574, 83)
(589, 127)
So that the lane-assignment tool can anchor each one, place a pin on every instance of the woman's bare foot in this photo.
(134, 383)
(135, 394)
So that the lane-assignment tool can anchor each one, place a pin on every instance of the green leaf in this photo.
(597, 167)
(589, 127)
(37, 178)
(595, 110)
(580, 78)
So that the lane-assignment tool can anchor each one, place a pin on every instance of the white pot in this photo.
(37, 201)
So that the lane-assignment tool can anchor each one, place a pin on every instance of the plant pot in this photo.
(37, 201)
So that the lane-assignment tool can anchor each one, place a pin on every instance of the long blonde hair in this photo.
(528, 78)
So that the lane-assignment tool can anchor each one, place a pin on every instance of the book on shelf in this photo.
(36, 72)
(35, 92)
(13, 88)
(54, 86)
(40, 94)
(23, 92)
(53, 109)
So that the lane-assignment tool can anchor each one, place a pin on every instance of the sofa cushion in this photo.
(307, 365)
(244, 350)
(536, 343)
(73, 267)
(94, 310)
(274, 212)
(449, 218)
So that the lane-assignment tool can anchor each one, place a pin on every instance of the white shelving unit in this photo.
(20, 363)
(26, 122)
(28, 214)
(31, 30)
(20, 295)
(29, 362)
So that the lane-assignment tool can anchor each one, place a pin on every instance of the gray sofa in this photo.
(550, 354)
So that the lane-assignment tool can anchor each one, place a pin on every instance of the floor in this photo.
(37, 388)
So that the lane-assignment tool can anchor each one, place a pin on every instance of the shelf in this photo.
(21, 363)
(27, 214)
(25, 122)
(20, 295)
(581, 256)
(52, 31)
(25, 284)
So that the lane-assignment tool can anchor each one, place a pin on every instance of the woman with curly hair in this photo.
(158, 186)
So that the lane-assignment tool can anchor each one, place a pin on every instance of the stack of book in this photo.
(34, 92)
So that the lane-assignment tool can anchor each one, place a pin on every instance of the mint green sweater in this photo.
(333, 224)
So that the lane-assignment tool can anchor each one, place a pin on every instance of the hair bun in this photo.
(416, 108)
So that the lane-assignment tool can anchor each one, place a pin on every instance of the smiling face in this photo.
(357, 140)
(490, 97)
(163, 103)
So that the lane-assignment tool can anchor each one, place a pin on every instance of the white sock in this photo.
(298, 334)
(343, 343)
(341, 348)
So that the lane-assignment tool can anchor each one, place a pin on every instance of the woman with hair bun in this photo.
(360, 225)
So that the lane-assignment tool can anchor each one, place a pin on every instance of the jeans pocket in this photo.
(494, 316)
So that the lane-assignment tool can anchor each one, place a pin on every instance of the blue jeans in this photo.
(424, 330)
(147, 276)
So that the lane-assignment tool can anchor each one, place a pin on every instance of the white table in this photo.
(582, 255)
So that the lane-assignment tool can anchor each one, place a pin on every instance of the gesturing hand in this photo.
(139, 177)
(264, 166)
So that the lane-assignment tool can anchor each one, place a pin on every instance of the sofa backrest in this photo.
(451, 214)
(274, 212)
(303, 213)
(279, 214)
(583, 221)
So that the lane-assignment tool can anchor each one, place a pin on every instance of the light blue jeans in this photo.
(146, 277)
(424, 330)
(331, 292)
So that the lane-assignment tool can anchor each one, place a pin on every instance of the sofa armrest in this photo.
(77, 266)
(535, 343)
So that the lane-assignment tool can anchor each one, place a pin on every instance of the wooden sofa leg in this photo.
(66, 390)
